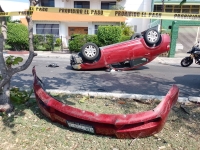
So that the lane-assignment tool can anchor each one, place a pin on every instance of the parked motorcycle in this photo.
(194, 54)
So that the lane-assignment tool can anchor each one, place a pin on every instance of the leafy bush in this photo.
(17, 36)
(79, 40)
(58, 42)
(124, 38)
(163, 31)
(126, 29)
(38, 40)
(18, 96)
(109, 34)
(93, 39)
(48, 44)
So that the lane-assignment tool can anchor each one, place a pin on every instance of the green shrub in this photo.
(126, 29)
(79, 40)
(58, 42)
(124, 38)
(17, 36)
(163, 31)
(38, 40)
(109, 34)
(48, 44)
(93, 39)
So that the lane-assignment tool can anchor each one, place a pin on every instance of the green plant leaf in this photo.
(82, 100)
(19, 96)
(17, 60)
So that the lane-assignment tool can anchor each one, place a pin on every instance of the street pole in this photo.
(163, 3)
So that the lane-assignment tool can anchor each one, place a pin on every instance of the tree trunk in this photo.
(6, 72)
(5, 105)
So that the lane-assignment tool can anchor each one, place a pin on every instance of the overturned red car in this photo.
(139, 50)
(137, 125)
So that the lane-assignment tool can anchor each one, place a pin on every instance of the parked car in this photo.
(141, 49)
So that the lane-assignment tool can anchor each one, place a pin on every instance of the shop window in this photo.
(96, 29)
(107, 5)
(157, 8)
(185, 6)
(168, 6)
(195, 6)
(195, 11)
(177, 7)
(82, 4)
(47, 29)
(168, 10)
(47, 3)
(185, 10)
(177, 10)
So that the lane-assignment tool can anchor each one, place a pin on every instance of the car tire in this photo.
(151, 36)
(187, 61)
(90, 51)
(136, 36)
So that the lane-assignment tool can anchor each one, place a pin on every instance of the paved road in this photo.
(152, 79)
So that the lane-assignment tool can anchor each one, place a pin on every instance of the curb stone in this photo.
(141, 97)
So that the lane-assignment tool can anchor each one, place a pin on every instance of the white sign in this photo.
(80, 126)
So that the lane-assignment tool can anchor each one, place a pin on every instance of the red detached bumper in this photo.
(137, 125)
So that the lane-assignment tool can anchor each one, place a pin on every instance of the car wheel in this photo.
(136, 36)
(151, 36)
(90, 51)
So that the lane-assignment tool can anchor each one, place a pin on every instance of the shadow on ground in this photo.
(119, 82)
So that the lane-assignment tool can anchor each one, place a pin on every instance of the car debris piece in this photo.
(53, 65)
(136, 125)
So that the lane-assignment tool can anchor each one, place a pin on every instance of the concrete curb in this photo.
(141, 97)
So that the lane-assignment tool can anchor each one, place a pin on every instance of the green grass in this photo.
(28, 128)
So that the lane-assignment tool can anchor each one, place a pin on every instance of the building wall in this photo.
(138, 5)
(130, 5)
(191, 6)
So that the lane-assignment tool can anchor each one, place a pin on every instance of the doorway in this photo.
(77, 30)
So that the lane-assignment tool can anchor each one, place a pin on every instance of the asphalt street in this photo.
(152, 79)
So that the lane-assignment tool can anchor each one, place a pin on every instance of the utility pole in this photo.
(163, 6)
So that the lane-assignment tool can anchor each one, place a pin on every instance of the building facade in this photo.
(67, 24)
(184, 33)
(190, 6)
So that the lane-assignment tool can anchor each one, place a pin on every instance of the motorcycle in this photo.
(194, 54)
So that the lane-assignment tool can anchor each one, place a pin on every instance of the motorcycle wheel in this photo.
(187, 61)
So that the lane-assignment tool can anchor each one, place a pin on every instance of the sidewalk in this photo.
(172, 61)
(66, 55)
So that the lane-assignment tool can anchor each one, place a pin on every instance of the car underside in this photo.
(141, 49)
